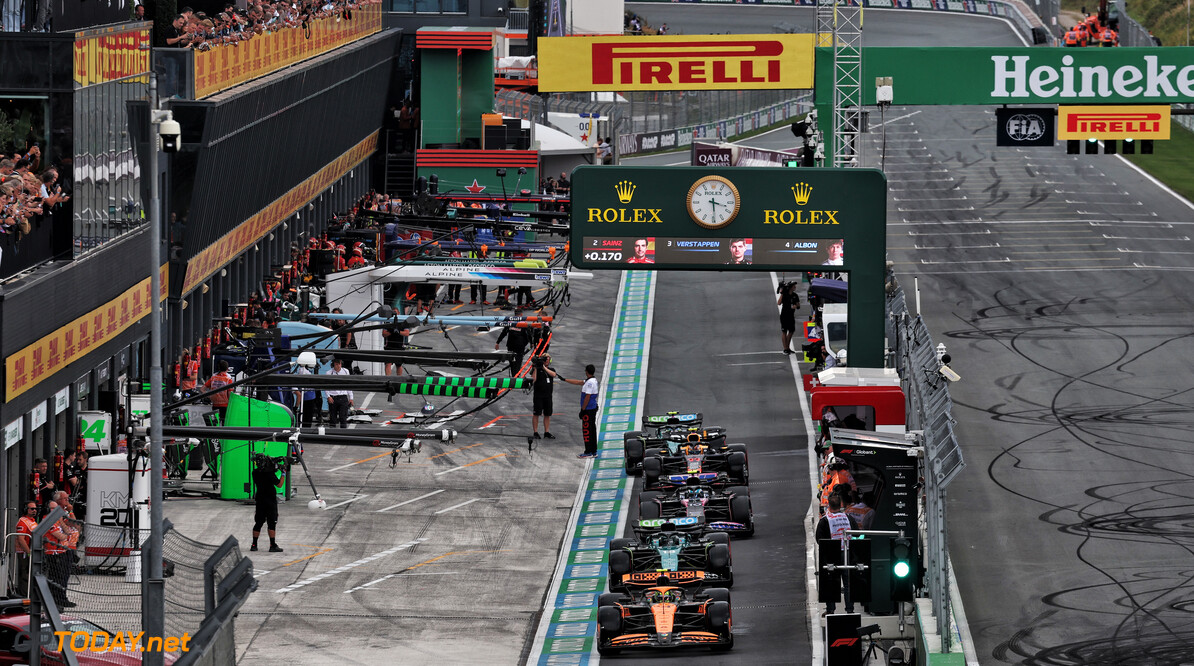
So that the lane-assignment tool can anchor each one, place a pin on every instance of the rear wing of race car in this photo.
(679, 524)
(673, 419)
(643, 580)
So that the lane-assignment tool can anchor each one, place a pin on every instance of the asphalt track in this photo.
(1062, 287)
(724, 360)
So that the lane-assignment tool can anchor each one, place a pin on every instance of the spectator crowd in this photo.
(26, 191)
(197, 30)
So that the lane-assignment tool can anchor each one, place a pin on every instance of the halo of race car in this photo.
(669, 583)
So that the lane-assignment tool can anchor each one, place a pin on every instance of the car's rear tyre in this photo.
(633, 449)
(620, 563)
(740, 491)
(740, 512)
(610, 599)
(717, 615)
(718, 557)
(736, 463)
(648, 508)
(718, 594)
(609, 618)
(652, 470)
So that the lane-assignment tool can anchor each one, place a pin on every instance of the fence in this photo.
(204, 585)
(646, 121)
(929, 410)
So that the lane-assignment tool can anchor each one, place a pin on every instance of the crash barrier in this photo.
(1018, 12)
(227, 583)
(929, 410)
(650, 121)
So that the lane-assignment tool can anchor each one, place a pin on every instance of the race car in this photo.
(664, 615)
(682, 554)
(672, 466)
(726, 509)
(636, 442)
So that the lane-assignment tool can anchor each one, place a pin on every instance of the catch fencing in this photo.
(649, 121)
(930, 410)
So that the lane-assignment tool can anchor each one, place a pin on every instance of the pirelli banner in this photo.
(676, 62)
(1113, 122)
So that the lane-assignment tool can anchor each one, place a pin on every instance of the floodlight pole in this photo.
(153, 603)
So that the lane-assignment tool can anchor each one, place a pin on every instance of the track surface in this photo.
(1062, 286)
(728, 366)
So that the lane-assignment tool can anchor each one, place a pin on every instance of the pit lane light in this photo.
(902, 580)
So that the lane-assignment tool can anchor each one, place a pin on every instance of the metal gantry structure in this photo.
(839, 24)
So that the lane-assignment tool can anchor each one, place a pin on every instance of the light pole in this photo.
(153, 602)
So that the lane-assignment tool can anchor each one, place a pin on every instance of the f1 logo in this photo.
(843, 642)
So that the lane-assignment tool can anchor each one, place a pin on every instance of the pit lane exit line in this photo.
(409, 501)
(351, 565)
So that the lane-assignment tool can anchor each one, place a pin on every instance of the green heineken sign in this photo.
(741, 219)
(970, 75)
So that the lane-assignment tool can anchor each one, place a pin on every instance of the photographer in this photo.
(266, 480)
(542, 378)
(789, 302)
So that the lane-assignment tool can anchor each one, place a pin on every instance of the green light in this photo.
(901, 569)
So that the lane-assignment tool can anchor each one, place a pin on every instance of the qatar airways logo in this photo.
(629, 63)
(1015, 76)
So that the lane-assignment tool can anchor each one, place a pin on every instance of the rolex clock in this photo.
(713, 202)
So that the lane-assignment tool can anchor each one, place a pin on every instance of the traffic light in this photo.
(1146, 147)
(1109, 146)
(903, 569)
(1129, 147)
(1092, 146)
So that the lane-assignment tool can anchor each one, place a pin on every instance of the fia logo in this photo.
(1025, 127)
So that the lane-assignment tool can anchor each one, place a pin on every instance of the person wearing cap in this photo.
(339, 402)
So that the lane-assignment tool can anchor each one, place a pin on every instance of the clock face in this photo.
(713, 202)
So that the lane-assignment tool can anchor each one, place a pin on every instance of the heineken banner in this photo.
(979, 75)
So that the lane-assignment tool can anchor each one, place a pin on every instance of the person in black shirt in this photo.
(266, 480)
(788, 301)
(396, 337)
(516, 342)
(542, 378)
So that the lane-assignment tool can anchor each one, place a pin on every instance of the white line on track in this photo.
(351, 565)
(457, 506)
(762, 362)
(434, 492)
(332, 506)
(758, 353)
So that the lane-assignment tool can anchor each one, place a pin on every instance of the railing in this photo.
(192, 74)
(518, 19)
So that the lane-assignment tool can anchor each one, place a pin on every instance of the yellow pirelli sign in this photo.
(676, 62)
(1113, 122)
